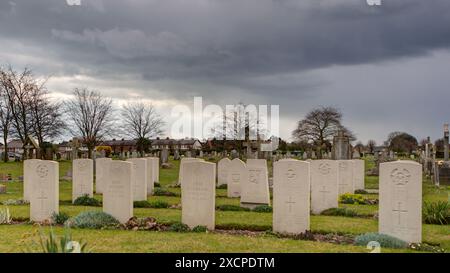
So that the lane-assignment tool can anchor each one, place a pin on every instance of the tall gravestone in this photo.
(44, 195)
(198, 193)
(341, 147)
(401, 200)
(118, 194)
(345, 174)
(237, 173)
(358, 174)
(29, 167)
(182, 164)
(324, 185)
(291, 196)
(139, 178)
(164, 156)
(102, 170)
(255, 190)
(82, 178)
(223, 168)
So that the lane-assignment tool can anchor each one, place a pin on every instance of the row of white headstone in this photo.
(302, 186)
(329, 178)
(120, 182)
(400, 194)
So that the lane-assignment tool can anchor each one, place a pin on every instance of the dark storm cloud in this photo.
(265, 50)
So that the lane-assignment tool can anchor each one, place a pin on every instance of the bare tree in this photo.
(47, 117)
(18, 88)
(91, 116)
(141, 122)
(371, 145)
(5, 121)
(319, 126)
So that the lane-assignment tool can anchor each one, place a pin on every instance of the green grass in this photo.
(14, 238)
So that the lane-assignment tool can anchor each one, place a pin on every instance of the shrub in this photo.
(436, 213)
(93, 220)
(361, 192)
(141, 204)
(384, 240)
(340, 212)
(223, 186)
(200, 229)
(60, 218)
(263, 208)
(162, 192)
(179, 227)
(349, 198)
(231, 208)
(85, 200)
(157, 185)
(159, 204)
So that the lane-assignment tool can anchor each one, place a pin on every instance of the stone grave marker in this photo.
(237, 173)
(401, 200)
(118, 191)
(324, 185)
(44, 194)
(102, 170)
(198, 193)
(223, 168)
(291, 196)
(182, 163)
(29, 167)
(358, 174)
(139, 178)
(83, 178)
(255, 190)
(345, 174)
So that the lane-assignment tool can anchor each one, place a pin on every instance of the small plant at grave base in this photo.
(231, 208)
(162, 192)
(157, 185)
(436, 213)
(93, 220)
(361, 192)
(159, 204)
(5, 216)
(141, 204)
(15, 202)
(60, 218)
(340, 212)
(353, 199)
(200, 229)
(223, 187)
(263, 209)
(56, 244)
(427, 248)
(86, 200)
(179, 227)
(383, 239)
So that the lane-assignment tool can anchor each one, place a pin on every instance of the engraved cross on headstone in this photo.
(399, 212)
(324, 192)
(42, 198)
(290, 203)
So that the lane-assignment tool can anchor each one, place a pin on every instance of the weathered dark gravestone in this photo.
(443, 173)
(341, 147)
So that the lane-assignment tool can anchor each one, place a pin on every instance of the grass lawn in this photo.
(20, 237)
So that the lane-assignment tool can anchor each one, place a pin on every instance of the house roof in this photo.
(15, 144)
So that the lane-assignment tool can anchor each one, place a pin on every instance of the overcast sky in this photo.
(387, 67)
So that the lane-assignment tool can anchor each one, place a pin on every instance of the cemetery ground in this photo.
(236, 231)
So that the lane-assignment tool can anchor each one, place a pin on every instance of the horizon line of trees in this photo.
(27, 112)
